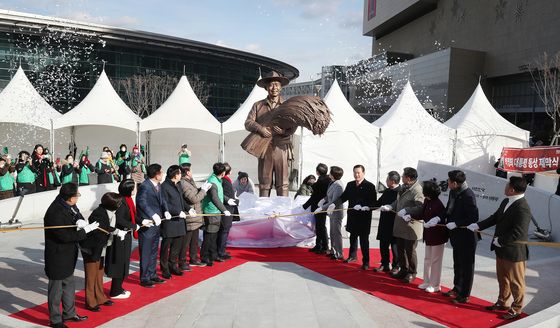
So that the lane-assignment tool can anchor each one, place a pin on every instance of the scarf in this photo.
(226, 177)
(132, 209)
(453, 194)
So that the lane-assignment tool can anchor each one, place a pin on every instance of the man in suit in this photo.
(361, 196)
(461, 210)
(316, 201)
(151, 206)
(332, 203)
(386, 223)
(406, 231)
(226, 221)
(61, 253)
(512, 221)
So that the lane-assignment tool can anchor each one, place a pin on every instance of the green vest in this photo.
(136, 161)
(84, 175)
(207, 206)
(26, 175)
(68, 178)
(6, 182)
(184, 158)
(119, 160)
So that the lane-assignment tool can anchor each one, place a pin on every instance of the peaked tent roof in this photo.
(182, 110)
(101, 106)
(478, 117)
(237, 121)
(407, 108)
(21, 103)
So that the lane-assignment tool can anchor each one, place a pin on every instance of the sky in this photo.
(307, 34)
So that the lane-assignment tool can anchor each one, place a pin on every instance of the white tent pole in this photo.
(138, 134)
(52, 137)
(454, 157)
(379, 158)
(222, 144)
(300, 164)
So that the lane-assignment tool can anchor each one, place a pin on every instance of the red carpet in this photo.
(433, 306)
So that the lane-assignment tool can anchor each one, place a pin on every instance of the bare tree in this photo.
(146, 93)
(546, 78)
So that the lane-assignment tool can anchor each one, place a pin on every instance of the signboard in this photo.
(530, 160)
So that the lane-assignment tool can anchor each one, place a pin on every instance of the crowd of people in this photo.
(411, 211)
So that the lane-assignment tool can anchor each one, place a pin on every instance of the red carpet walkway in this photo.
(433, 306)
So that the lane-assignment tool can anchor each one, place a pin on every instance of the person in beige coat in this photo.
(407, 231)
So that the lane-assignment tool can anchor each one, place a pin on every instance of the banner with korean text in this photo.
(530, 160)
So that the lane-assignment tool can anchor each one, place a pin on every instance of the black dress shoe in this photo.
(185, 267)
(497, 307)
(158, 280)
(164, 276)
(350, 260)
(510, 315)
(314, 249)
(395, 270)
(219, 259)
(226, 257)
(381, 269)
(96, 308)
(460, 300)
(108, 303)
(76, 318)
(208, 263)
(176, 272)
(336, 257)
(450, 293)
(365, 266)
(198, 264)
(400, 275)
(408, 278)
(58, 325)
(147, 284)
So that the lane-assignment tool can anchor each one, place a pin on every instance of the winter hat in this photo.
(104, 155)
(242, 175)
(135, 149)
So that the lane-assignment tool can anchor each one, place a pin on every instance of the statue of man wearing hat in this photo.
(275, 160)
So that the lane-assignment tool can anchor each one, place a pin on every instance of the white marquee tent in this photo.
(481, 132)
(349, 140)
(26, 118)
(408, 133)
(234, 132)
(101, 119)
(183, 119)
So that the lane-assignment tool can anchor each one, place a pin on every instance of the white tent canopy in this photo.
(409, 134)
(101, 119)
(183, 119)
(20, 106)
(234, 133)
(481, 134)
(349, 140)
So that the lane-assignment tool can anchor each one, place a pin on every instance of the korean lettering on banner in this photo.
(531, 160)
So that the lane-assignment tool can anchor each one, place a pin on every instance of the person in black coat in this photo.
(61, 253)
(151, 206)
(461, 210)
(512, 221)
(117, 259)
(386, 221)
(315, 201)
(172, 230)
(362, 197)
(227, 221)
(94, 247)
(43, 165)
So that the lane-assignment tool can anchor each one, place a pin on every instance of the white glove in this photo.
(451, 225)
(227, 213)
(182, 215)
(496, 243)
(206, 186)
(321, 202)
(90, 227)
(81, 224)
(157, 219)
(120, 233)
(357, 207)
(386, 208)
(148, 223)
(402, 213)
(231, 202)
(330, 209)
(137, 227)
(434, 221)
(473, 227)
(319, 209)
(167, 215)
(192, 212)
(427, 225)
(407, 218)
(364, 208)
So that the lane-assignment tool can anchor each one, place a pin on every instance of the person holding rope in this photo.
(227, 221)
(316, 201)
(61, 253)
(461, 211)
(386, 223)
(333, 205)
(512, 219)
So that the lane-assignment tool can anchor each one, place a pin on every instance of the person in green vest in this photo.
(123, 161)
(86, 168)
(213, 203)
(6, 178)
(69, 170)
(138, 166)
(184, 155)
(26, 174)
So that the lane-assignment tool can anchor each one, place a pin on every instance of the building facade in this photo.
(48, 48)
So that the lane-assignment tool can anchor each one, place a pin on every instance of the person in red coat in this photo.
(435, 236)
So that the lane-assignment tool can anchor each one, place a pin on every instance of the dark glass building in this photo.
(54, 51)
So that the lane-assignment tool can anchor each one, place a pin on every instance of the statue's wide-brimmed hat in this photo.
(270, 77)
